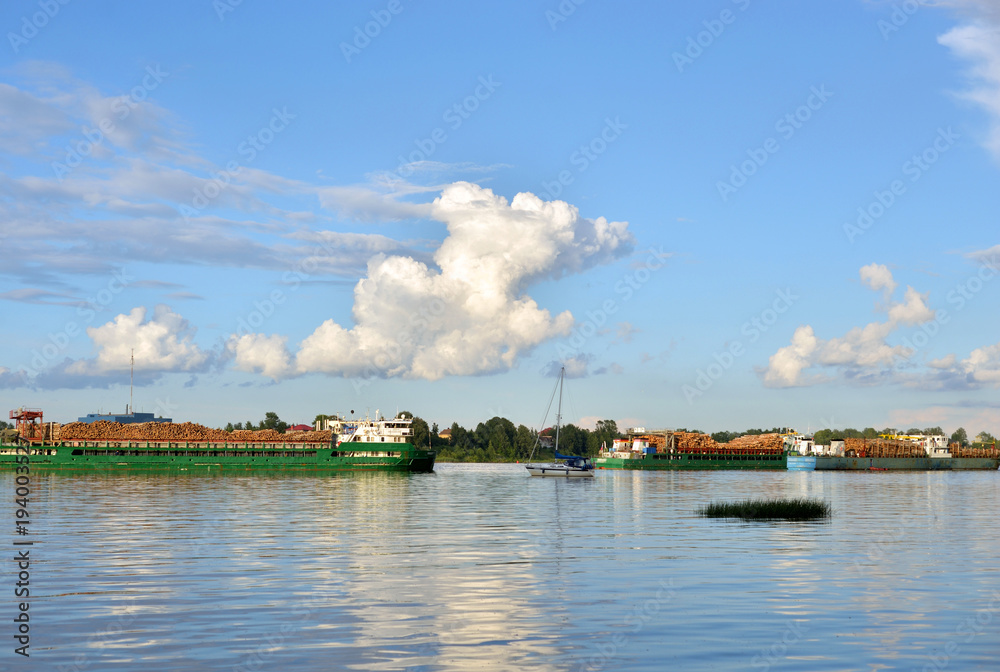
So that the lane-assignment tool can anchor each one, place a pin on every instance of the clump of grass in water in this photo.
(768, 509)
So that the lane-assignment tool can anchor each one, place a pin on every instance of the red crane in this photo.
(29, 423)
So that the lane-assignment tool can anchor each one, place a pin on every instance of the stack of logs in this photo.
(882, 448)
(189, 432)
(690, 442)
(750, 444)
(992, 453)
(656, 440)
(759, 443)
(51, 431)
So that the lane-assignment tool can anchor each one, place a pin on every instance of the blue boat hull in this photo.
(801, 463)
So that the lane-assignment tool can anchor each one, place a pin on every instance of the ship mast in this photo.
(562, 373)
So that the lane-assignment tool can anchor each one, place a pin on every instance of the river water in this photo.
(480, 567)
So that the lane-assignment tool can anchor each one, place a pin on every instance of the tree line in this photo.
(270, 421)
(496, 440)
(499, 440)
(959, 436)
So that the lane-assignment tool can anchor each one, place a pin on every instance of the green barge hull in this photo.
(230, 457)
(832, 463)
(693, 461)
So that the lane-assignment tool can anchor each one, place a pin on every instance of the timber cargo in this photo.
(889, 453)
(663, 450)
(378, 444)
(831, 463)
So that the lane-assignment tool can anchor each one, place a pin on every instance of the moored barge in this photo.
(663, 450)
(378, 444)
(893, 453)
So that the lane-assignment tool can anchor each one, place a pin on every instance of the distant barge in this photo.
(353, 445)
(898, 454)
(665, 450)
(938, 463)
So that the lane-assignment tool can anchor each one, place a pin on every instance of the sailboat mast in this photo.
(562, 372)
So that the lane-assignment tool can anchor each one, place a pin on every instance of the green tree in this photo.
(573, 440)
(480, 436)
(421, 432)
(851, 433)
(604, 434)
(496, 437)
(934, 431)
(870, 433)
(500, 447)
(524, 441)
(724, 437)
(5, 425)
(320, 417)
(272, 421)
(229, 427)
(459, 436)
(460, 442)
(960, 437)
(249, 425)
(823, 437)
(984, 437)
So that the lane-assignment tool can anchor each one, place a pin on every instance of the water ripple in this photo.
(481, 567)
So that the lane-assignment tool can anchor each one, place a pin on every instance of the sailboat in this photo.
(568, 466)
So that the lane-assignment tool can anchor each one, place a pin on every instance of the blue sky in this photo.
(720, 215)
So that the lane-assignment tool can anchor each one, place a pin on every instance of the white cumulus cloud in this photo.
(163, 343)
(470, 314)
(786, 365)
(913, 310)
(256, 353)
(878, 277)
(862, 349)
(983, 365)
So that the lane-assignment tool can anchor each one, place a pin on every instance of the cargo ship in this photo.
(662, 450)
(897, 453)
(378, 444)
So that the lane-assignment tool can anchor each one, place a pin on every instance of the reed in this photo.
(769, 509)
